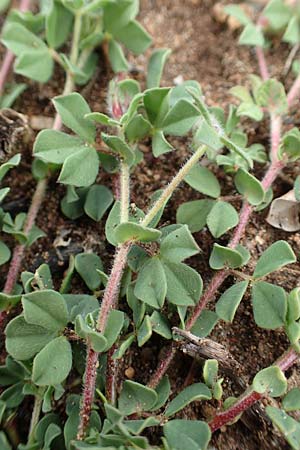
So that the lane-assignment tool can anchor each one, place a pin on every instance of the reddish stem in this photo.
(111, 294)
(109, 301)
(262, 64)
(219, 277)
(250, 397)
(9, 56)
(88, 391)
(111, 376)
(163, 366)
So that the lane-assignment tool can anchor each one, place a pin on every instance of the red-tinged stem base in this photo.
(88, 391)
(109, 301)
(163, 366)
(250, 397)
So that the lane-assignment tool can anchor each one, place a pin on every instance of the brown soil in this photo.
(206, 51)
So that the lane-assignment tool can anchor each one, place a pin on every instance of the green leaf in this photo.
(207, 135)
(249, 187)
(278, 13)
(271, 95)
(95, 339)
(120, 147)
(163, 390)
(187, 434)
(156, 104)
(151, 284)
(287, 425)
(252, 35)
(135, 397)
(178, 245)
(20, 40)
(180, 118)
(159, 144)
(4, 253)
(221, 218)
(194, 214)
(205, 323)
(297, 188)
(58, 25)
(80, 169)
(37, 65)
(210, 372)
(134, 37)
(87, 265)
(293, 300)
(113, 327)
(231, 145)
(54, 146)
(12, 162)
(291, 401)
(156, 65)
(203, 180)
(137, 128)
(270, 380)
(184, 284)
(229, 301)
(8, 99)
(197, 391)
(269, 305)
(129, 231)
(250, 110)
(116, 57)
(290, 145)
(112, 222)
(24, 340)
(160, 325)
(278, 255)
(45, 308)
(4, 4)
(292, 33)
(52, 365)
(144, 331)
(98, 200)
(238, 13)
(118, 15)
(98, 117)
(225, 257)
(72, 109)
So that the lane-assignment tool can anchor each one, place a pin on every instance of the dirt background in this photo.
(204, 49)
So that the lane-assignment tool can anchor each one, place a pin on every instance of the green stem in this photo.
(168, 191)
(124, 192)
(38, 401)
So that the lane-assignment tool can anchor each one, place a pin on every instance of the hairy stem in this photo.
(111, 293)
(124, 192)
(250, 397)
(262, 64)
(38, 401)
(220, 276)
(9, 56)
(172, 186)
(109, 302)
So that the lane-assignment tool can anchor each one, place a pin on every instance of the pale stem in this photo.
(124, 192)
(38, 401)
(168, 191)
(262, 64)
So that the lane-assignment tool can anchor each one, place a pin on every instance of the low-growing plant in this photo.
(60, 338)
